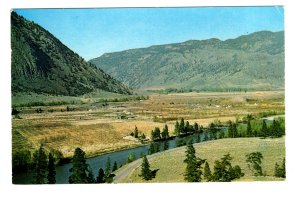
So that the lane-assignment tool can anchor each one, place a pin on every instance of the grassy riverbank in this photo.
(171, 167)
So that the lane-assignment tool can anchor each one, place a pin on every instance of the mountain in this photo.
(254, 61)
(40, 63)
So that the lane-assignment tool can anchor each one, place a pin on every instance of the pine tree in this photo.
(181, 126)
(196, 128)
(177, 129)
(277, 170)
(283, 168)
(207, 173)
(146, 173)
(264, 129)
(254, 161)
(165, 132)
(115, 166)
(187, 127)
(100, 177)
(155, 135)
(90, 176)
(234, 131)
(79, 169)
(198, 139)
(280, 170)
(249, 129)
(166, 145)
(40, 166)
(51, 170)
(136, 132)
(151, 149)
(193, 171)
(224, 172)
(230, 130)
(107, 171)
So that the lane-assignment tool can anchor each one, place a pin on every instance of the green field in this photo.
(171, 167)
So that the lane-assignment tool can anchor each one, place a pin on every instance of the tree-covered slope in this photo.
(42, 64)
(253, 61)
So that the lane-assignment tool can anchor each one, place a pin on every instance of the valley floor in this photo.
(99, 127)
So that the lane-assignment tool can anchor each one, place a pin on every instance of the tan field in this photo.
(171, 168)
(98, 129)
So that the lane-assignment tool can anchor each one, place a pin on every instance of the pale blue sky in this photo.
(92, 32)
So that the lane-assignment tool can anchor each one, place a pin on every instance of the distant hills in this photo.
(42, 64)
(254, 61)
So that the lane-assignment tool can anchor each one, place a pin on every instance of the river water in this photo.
(97, 162)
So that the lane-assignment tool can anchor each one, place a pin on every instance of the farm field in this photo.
(99, 127)
(171, 168)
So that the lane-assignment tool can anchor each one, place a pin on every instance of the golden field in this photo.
(98, 129)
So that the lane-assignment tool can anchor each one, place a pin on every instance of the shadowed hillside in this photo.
(42, 64)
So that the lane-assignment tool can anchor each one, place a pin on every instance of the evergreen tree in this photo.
(234, 131)
(100, 177)
(51, 170)
(283, 168)
(151, 149)
(90, 176)
(40, 166)
(187, 127)
(280, 170)
(177, 129)
(207, 173)
(166, 145)
(205, 137)
(107, 177)
(230, 130)
(181, 126)
(196, 128)
(198, 139)
(277, 170)
(275, 129)
(264, 129)
(165, 132)
(79, 169)
(249, 129)
(254, 161)
(155, 135)
(224, 172)
(193, 170)
(136, 132)
(115, 166)
(146, 173)
(156, 147)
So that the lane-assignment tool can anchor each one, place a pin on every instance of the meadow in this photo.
(102, 123)
(171, 167)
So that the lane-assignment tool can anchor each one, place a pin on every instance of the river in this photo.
(97, 162)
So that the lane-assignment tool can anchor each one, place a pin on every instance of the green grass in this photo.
(171, 167)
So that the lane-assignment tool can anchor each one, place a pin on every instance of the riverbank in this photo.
(171, 167)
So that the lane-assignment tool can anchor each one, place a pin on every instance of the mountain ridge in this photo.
(43, 64)
(253, 61)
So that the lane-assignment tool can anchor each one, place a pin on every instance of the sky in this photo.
(93, 32)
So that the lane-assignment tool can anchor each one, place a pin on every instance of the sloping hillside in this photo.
(42, 64)
(254, 61)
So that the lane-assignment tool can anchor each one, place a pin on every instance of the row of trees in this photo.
(223, 170)
(184, 128)
(276, 129)
(156, 134)
(42, 166)
(81, 172)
